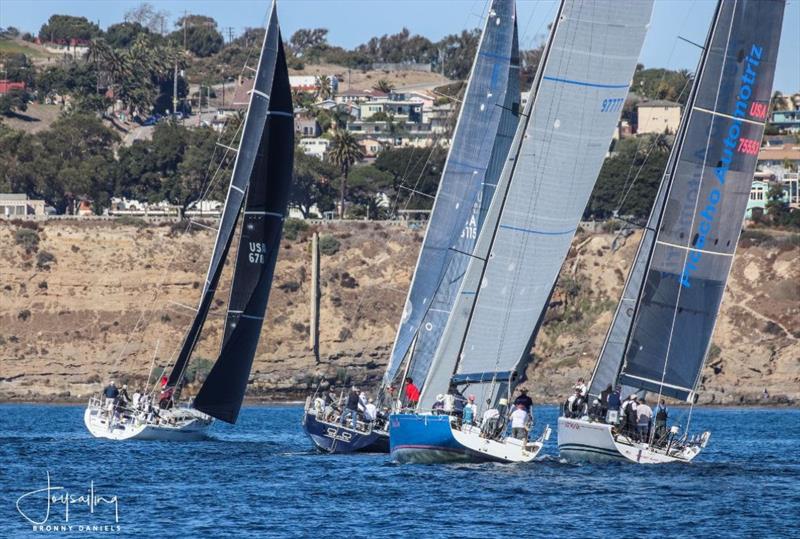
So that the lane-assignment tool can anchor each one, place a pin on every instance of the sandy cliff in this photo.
(115, 292)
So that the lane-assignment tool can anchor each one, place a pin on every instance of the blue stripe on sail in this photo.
(581, 83)
(468, 293)
(542, 232)
(466, 165)
(496, 56)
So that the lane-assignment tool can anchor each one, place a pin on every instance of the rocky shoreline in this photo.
(112, 304)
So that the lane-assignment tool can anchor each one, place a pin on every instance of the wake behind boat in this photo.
(257, 196)
(661, 332)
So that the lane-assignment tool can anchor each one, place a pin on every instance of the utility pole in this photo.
(313, 339)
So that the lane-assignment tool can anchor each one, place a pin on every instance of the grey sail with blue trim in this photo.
(708, 187)
(546, 182)
(489, 115)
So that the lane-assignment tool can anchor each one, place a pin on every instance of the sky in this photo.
(352, 22)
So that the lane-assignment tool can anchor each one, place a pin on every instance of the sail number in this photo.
(257, 251)
(612, 105)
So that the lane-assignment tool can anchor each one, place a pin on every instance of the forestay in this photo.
(482, 137)
(574, 107)
(262, 223)
(699, 226)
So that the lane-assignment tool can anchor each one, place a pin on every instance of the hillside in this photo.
(116, 292)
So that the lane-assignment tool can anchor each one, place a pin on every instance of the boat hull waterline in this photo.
(189, 425)
(334, 438)
(580, 440)
(431, 439)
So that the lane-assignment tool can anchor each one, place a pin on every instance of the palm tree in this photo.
(344, 151)
(384, 86)
(324, 87)
(778, 102)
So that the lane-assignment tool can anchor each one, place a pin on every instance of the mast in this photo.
(223, 391)
(471, 162)
(699, 227)
(546, 183)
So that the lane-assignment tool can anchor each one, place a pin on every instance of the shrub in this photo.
(291, 286)
(328, 245)
(27, 238)
(74, 248)
(131, 221)
(344, 334)
(24, 314)
(44, 259)
(43, 285)
(294, 228)
(348, 281)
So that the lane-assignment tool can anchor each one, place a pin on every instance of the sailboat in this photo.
(256, 200)
(661, 331)
(482, 137)
(559, 146)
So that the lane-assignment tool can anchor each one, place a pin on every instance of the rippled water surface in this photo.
(261, 478)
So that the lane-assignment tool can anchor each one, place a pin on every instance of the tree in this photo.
(778, 101)
(63, 28)
(311, 185)
(13, 101)
(324, 87)
(630, 178)
(304, 40)
(146, 16)
(662, 84)
(367, 188)
(344, 152)
(122, 35)
(415, 173)
(384, 86)
(72, 161)
(199, 35)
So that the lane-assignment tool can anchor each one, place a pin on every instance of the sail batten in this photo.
(700, 223)
(553, 165)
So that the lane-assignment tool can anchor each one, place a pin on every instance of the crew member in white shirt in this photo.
(519, 419)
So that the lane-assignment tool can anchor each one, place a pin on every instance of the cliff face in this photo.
(117, 298)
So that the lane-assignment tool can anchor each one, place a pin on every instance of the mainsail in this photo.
(559, 147)
(262, 170)
(707, 188)
(487, 121)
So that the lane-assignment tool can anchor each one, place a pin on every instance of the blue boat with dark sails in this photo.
(556, 155)
(482, 137)
(661, 332)
(256, 201)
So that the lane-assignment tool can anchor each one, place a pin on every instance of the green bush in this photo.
(131, 221)
(27, 238)
(44, 259)
(328, 245)
(294, 228)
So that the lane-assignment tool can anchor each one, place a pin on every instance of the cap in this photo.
(439, 397)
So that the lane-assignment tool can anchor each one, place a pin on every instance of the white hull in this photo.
(177, 424)
(581, 440)
(505, 450)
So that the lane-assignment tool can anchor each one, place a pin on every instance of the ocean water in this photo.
(261, 478)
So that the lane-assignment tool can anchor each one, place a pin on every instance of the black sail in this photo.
(709, 185)
(262, 224)
(245, 164)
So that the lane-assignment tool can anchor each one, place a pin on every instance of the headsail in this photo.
(554, 162)
(262, 223)
(709, 185)
(488, 117)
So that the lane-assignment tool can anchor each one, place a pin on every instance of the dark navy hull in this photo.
(333, 438)
(424, 439)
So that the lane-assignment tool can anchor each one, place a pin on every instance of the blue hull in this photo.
(424, 439)
(331, 438)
